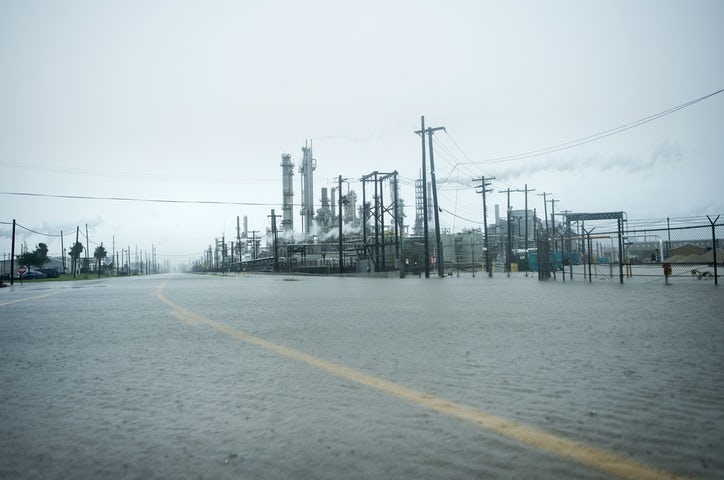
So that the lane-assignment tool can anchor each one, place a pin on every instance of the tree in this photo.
(99, 254)
(37, 258)
(74, 252)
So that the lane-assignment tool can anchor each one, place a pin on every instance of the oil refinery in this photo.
(327, 235)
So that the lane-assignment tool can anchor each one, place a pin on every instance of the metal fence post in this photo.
(713, 247)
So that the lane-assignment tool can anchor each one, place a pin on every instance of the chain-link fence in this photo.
(668, 250)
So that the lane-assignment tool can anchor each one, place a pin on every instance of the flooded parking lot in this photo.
(323, 377)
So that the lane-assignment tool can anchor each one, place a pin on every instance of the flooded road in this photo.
(322, 377)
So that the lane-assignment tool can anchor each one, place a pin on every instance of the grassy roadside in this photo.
(65, 277)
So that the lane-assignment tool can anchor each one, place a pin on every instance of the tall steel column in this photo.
(287, 192)
(309, 164)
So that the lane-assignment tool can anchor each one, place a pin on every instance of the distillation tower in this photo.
(288, 193)
(309, 164)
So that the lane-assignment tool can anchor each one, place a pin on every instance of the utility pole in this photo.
(12, 256)
(99, 264)
(238, 239)
(87, 262)
(274, 234)
(438, 243)
(587, 240)
(545, 209)
(484, 184)
(440, 259)
(553, 213)
(564, 244)
(510, 237)
(77, 233)
(553, 236)
(421, 132)
(339, 221)
(62, 250)
(526, 228)
(508, 249)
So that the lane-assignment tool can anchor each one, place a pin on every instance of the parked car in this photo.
(50, 272)
(32, 275)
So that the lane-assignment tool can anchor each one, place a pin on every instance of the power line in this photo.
(476, 222)
(39, 233)
(134, 199)
(455, 163)
(470, 161)
(594, 137)
(142, 175)
(454, 157)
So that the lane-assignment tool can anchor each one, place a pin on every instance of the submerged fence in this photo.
(671, 251)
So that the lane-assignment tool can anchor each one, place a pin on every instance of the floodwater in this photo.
(206, 377)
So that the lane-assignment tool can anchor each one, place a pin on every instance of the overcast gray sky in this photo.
(190, 101)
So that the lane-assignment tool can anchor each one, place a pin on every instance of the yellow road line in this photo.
(593, 457)
(34, 297)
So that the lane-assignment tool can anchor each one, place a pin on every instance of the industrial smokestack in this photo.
(332, 195)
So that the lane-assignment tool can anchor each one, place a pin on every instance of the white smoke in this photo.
(666, 153)
(290, 236)
(347, 229)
